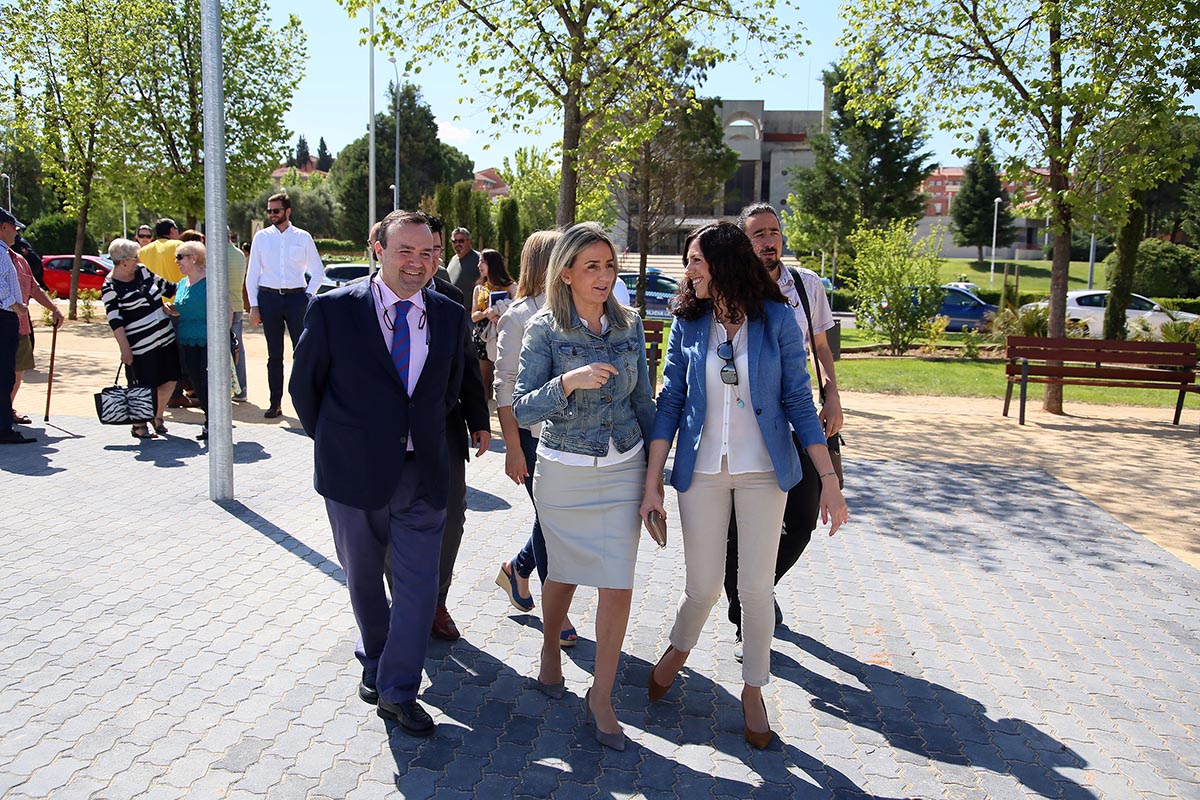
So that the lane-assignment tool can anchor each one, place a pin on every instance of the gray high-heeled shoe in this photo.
(616, 741)
(555, 691)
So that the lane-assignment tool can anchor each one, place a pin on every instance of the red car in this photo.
(57, 273)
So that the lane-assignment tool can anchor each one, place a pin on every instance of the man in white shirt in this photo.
(761, 224)
(283, 274)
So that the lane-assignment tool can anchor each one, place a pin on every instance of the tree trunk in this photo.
(1128, 239)
(80, 234)
(979, 247)
(1060, 212)
(643, 228)
(568, 189)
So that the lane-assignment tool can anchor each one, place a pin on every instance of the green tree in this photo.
(1054, 80)
(324, 158)
(303, 157)
(424, 162)
(483, 230)
(31, 196)
(82, 55)
(1168, 212)
(508, 233)
(680, 170)
(1162, 269)
(533, 182)
(896, 285)
(575, 58)
(169, 105)
(463, 215)
(974, 209)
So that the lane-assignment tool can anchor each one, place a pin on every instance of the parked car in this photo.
(966, 286)
(828, 285)
(1087, 306)
(338, 275)
(965, 310)
(57, 273)
(660, 289)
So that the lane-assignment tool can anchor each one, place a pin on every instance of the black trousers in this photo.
(799, 521)
(277, 312)
(9, 339)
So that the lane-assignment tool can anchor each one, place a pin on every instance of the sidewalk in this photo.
(981, 629)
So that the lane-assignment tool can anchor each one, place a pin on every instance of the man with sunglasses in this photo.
(463, 269)
(284, 272)
(761, 224)
(159, 255)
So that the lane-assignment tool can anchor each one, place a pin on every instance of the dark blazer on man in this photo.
(470, 413)
(350, 399)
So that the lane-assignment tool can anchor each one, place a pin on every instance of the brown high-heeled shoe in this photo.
(656, 690)
(757, 739)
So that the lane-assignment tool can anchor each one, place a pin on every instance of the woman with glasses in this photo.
(583, 373)
(133, 299)
(733, 382)
(191, 301)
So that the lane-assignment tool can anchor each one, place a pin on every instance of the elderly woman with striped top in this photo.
(133, 298)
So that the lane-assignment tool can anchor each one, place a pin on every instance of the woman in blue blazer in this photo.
(734, 381)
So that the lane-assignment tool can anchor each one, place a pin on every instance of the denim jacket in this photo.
(622, 409)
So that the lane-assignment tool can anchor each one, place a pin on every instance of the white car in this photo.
(1087, 306)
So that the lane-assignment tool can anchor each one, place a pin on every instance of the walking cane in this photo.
(50, 379)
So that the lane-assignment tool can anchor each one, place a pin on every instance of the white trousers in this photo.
(704, 513)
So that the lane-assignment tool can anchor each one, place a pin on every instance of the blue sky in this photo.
(332, 98)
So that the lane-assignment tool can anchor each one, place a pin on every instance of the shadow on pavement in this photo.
(244, 513)
(931, 720)
(479, 500)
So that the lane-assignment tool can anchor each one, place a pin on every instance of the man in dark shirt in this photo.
(463, 269)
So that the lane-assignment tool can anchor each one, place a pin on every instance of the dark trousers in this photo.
(456, 516)
(279, 311)
(799, 521)
(392, 640)
(195, 361)
(533, 554)
(9, 339)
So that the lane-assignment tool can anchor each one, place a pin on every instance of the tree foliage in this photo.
(575, 59)
(869, 166)
(896, 282)
(533, 182)
(1057, 82)
(303, 157)
(425, 161)
(974, 211)
(1162, 269)
(324, 157)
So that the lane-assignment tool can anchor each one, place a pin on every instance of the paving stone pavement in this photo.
(969, 635)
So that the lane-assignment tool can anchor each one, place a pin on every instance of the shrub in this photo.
(1163, 269)
(972, 340)
(335, 246)
(896, 285)
(935, 328)
(87, 303)
(1180, 331)
(54, 234)
(843, 300)
(1189, 304)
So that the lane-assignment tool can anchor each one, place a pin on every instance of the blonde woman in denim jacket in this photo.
(583, 375)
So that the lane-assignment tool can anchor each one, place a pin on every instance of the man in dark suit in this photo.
(469, 424)
(377, 369)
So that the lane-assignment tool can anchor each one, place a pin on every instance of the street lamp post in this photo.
(8, 180)
(371, 136)
(995, 221)
(396, 106)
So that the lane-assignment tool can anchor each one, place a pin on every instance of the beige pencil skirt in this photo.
(589, 517)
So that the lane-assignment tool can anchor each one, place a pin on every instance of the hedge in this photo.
(335, 246)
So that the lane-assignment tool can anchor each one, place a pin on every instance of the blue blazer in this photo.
(779, 392)
(351, 401)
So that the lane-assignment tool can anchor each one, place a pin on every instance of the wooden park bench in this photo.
(1100, 362)
(654, 349)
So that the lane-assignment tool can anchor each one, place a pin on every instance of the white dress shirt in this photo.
(418, 327)
(725, 421)
(279, 260)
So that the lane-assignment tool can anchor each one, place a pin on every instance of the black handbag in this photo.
(835, 442)
(124, 405)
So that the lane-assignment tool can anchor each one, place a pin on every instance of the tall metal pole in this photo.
(371, 138)
(995, 220)
(396, 105)
(8, 180)
(1095, 224)
(220, 407)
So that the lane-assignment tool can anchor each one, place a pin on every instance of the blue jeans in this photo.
(533, 554)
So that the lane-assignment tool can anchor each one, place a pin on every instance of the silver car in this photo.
(1087, 306)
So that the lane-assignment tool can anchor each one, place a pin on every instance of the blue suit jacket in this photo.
(351, 401)
(778, 385)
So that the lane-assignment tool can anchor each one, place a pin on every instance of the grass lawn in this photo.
(1035, 275)
(955, 378)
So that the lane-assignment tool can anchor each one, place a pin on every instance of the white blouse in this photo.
(730, 429)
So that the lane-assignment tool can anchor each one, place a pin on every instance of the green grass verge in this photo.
(1035, 275)
(954, 378)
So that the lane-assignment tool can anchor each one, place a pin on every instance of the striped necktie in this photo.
(401, 344)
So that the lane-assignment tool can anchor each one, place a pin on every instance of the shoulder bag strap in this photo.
(812, 336)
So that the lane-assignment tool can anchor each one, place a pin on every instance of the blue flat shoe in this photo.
(507, 581)
(568, 637)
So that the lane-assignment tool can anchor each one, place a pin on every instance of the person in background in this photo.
(192, 235)
(463, 269)
(26, 251)
(283, 273)
(191, 301)
(133, 300)
(11, 308)
(730, 388)
(29, 290)
(583, 373)
(159, 255)
(144, 235)
(520, 444)
(485, 311)
(237, 294)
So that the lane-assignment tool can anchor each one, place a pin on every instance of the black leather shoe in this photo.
(366, 688)
(408, 715)
(15, 437)
(272, 413)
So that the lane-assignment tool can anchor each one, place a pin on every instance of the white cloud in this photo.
(452, 134)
